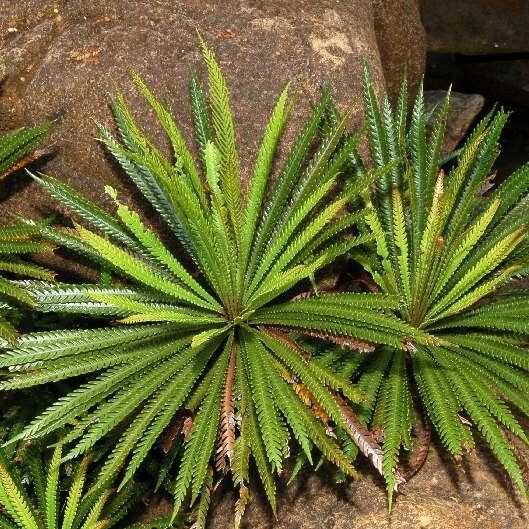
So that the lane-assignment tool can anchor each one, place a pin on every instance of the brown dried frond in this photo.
(240, 505)
(227, 419)
(364, 439)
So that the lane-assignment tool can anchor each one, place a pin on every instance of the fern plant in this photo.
(450, 245)
(62, 501)
(16, 151)
(207, 339)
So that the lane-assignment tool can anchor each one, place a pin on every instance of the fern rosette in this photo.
(16, 151)
(451, 246)
(211, 349)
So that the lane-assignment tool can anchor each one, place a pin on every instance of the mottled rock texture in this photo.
(63, 58)
(474, 495)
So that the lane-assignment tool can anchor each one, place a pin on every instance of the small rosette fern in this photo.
(16, 150)
(211, 347)
(449, 244)
(62, 500)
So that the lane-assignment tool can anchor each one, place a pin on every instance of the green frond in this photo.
(63, 502)
(199, 446)
(263, 166)
(85, 210)
(201, 117)
(75, 494)
(18, 144)
(418, 193)
(287, 180)
(396, 419)
(274, 436)
(181, 151)
(14, 499)
(52, 484)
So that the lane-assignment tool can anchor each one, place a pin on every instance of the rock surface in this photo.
(463, 110)
(476, 27)
(437, 498)
(63, 58)
(475, 496)
(401, 38)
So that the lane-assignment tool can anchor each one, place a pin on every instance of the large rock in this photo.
(401, 39)
(476, 27)
(64, 57)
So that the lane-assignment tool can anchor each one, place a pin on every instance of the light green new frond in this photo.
(93, 518)
(472, 297)
(14, 500)
(136, 269)
(75, 494)
(224, 137)
(263, 167)
(385, 277)
(181, 151)
(152, 243)
(23, 269)
(201, 117)
(486, 264)
(401, 243)
(466, 244)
